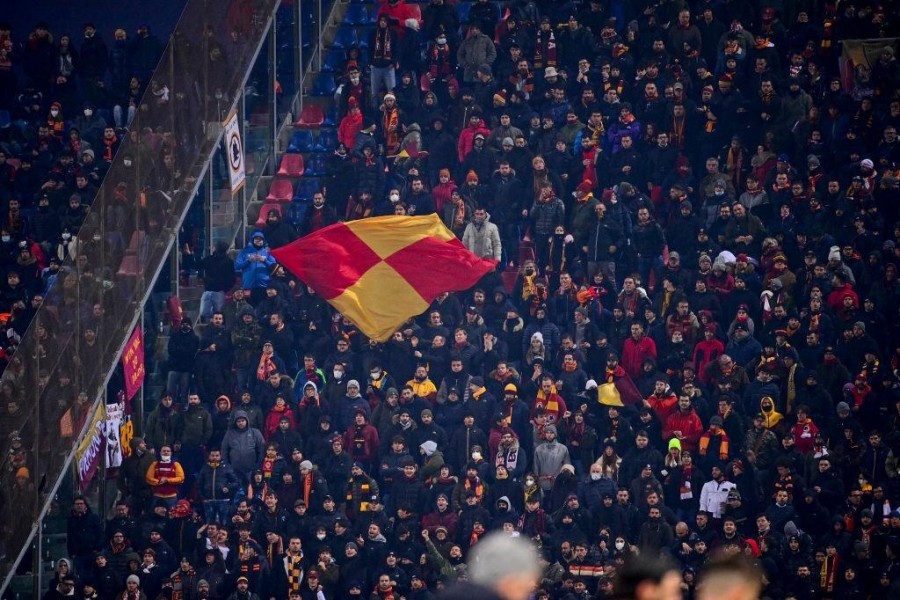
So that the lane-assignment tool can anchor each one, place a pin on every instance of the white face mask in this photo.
(376, 375)
(5, 238)
(337, 374)
(442, 41)
(320, 536)
(354, 80)
(529, 482)
(67, 236)
(88, 112)
(395, 197)
(620, 545)
(54, 113)
(596, 476)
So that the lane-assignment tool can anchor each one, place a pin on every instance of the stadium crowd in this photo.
(689, 344)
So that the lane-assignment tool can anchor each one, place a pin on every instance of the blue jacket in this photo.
(254, 274)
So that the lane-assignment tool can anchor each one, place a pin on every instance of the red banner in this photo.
(133, 363)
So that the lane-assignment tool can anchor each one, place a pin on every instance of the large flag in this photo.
(618, 390)
(381, 271)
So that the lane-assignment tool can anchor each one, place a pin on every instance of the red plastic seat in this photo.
(129, 267)
(281, 190)
(311, 116)
(264, 212)
(292, 165)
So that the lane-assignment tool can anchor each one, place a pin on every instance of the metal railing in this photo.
(69, 354)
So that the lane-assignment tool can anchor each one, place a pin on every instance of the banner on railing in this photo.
(90, 451)
(133, 363)
(234, 150)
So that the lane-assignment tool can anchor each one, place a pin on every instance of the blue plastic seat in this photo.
(305, 189)
(296, 212)
(328, 141)
(346, 37)
(301, 141)
(315, 167)
(330, 117)
(357, 14)
(334, 60)
(324, 86)
(462, 9)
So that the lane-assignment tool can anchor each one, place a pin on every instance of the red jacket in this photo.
(706, 351)
(467, 139)
(634, 353)
(835, 299)
(690, 426)
(362, 442)
(804, 435)
(663, 405)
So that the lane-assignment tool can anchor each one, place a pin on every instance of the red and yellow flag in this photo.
(381, 271)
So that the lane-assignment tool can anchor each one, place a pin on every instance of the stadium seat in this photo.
(330, 116)
(328, 140)
(324, 85)
(306, 187)
(334, 60)
(462, 9)
(297, 211)
(264, 212)
(301, 141)
(316, 165)
(281, 189)
(311, 117)
(292, 165)
(357, 14)
(345, 38)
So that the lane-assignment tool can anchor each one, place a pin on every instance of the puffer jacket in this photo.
(244, 448)
(254, 274)
(546, 216)
(484, 241)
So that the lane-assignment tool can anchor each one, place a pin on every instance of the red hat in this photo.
(607, 195)
(743, 258)
(585, 186)
(472, 176)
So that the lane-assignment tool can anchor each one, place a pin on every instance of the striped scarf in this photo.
(293, 563)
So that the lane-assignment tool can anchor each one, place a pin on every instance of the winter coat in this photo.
(483, 241)
(477, 49)
(197, 428)
(549, 458)
(254, 274)
(547, 216)
(212, 482)
(244, 448)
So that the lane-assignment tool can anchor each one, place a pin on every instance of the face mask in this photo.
(67, 236)
(5, 238)
(88, 112)
(529, 482)
(442, 41)
(596, 476)
(620, 545)
(376, 375)
(320, 536)
(165, 458)
(54, 113)
(354, 80)
(337, 374)
(395, 197)
(476, 456)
